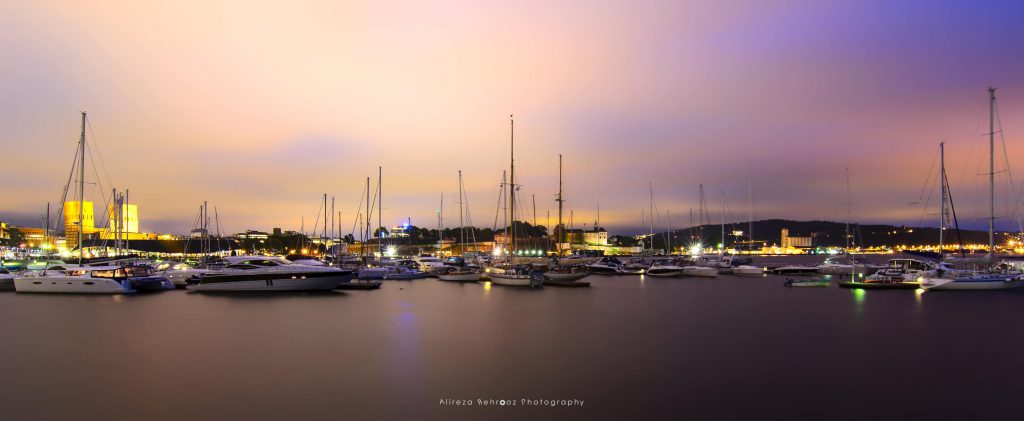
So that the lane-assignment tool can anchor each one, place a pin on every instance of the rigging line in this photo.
(1015, 202)
(88, 126)
(501, 196)
(320, 209)
(64, 196)
(927, 202)
(928, 179)
(358, 212)
(99, 185)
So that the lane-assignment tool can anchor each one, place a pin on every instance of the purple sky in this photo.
(262, 108)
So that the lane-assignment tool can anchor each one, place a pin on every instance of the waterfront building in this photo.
(129, 218)
(72, 212)
(252, 235)
(787, 241)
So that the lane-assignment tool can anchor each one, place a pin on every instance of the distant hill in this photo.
(825, 234)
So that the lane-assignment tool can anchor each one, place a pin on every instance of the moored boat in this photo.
(700, 271)
(461, 275)
(748, 270)
(79, 280)
(668, 271)
(805, 283)
(265, 273)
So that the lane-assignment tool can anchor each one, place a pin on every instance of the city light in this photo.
(391, 251)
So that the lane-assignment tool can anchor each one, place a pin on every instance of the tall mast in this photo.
(323, 238)
(440, 236)
(380, 197)
(81, 191)
(650, 186)
(206, 229)
(533, 199)
(462, 225)
(560, 200)
(122, 223)
(992, 171)
(848, 210)
(512, 186)
(750, 216)
(366, 231)
(942, 210)
(723, 221)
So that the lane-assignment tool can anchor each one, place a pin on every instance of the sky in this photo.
(260, 107)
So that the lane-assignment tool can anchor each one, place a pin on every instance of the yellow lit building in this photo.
(129, 218)
(72, 212)
(794, 242)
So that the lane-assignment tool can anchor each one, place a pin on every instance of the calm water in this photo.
(733, 348)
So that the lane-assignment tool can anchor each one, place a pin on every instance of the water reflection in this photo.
(859, 295)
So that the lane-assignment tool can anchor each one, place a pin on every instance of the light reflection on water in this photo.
(392, 353)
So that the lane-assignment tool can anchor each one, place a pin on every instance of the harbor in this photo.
(628, 346)
(653, 210)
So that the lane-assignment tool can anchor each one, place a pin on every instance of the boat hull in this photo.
(748, 271)
(270, 282)
(700, 271)
(6, 283)
(879, 285)
(460, 277)
(71, 285)
(1008, 282)
(564, 277)
(515, 280)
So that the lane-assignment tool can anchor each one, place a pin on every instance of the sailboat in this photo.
(565, 275)
(85, 279)
(462, 274)
(510, 274)
(982, 280)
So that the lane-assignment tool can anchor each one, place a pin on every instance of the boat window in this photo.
(89, 283)
(102, 274)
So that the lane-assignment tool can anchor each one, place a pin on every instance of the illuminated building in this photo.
(4, 235)
(72, 212)
(252, 235)
(796, 242)
(129, 218)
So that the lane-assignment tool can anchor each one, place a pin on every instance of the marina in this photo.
(532, 210)
(396, 352)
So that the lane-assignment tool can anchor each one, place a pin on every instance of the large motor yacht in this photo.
(266, 273)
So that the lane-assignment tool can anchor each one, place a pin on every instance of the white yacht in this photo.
(700, 271)
(266, 273)
(460, 275)
(979, 281)
(667, 271)
(519, 276)
(431, 265)
(748, 270)
(79, 280)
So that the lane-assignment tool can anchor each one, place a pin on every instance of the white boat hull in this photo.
(511, 280)
(565, 277)
(315, 283)
(71, 285)
(965, 284)
(460, 277)
(748, 271)
(700, 271)
(664, 273)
